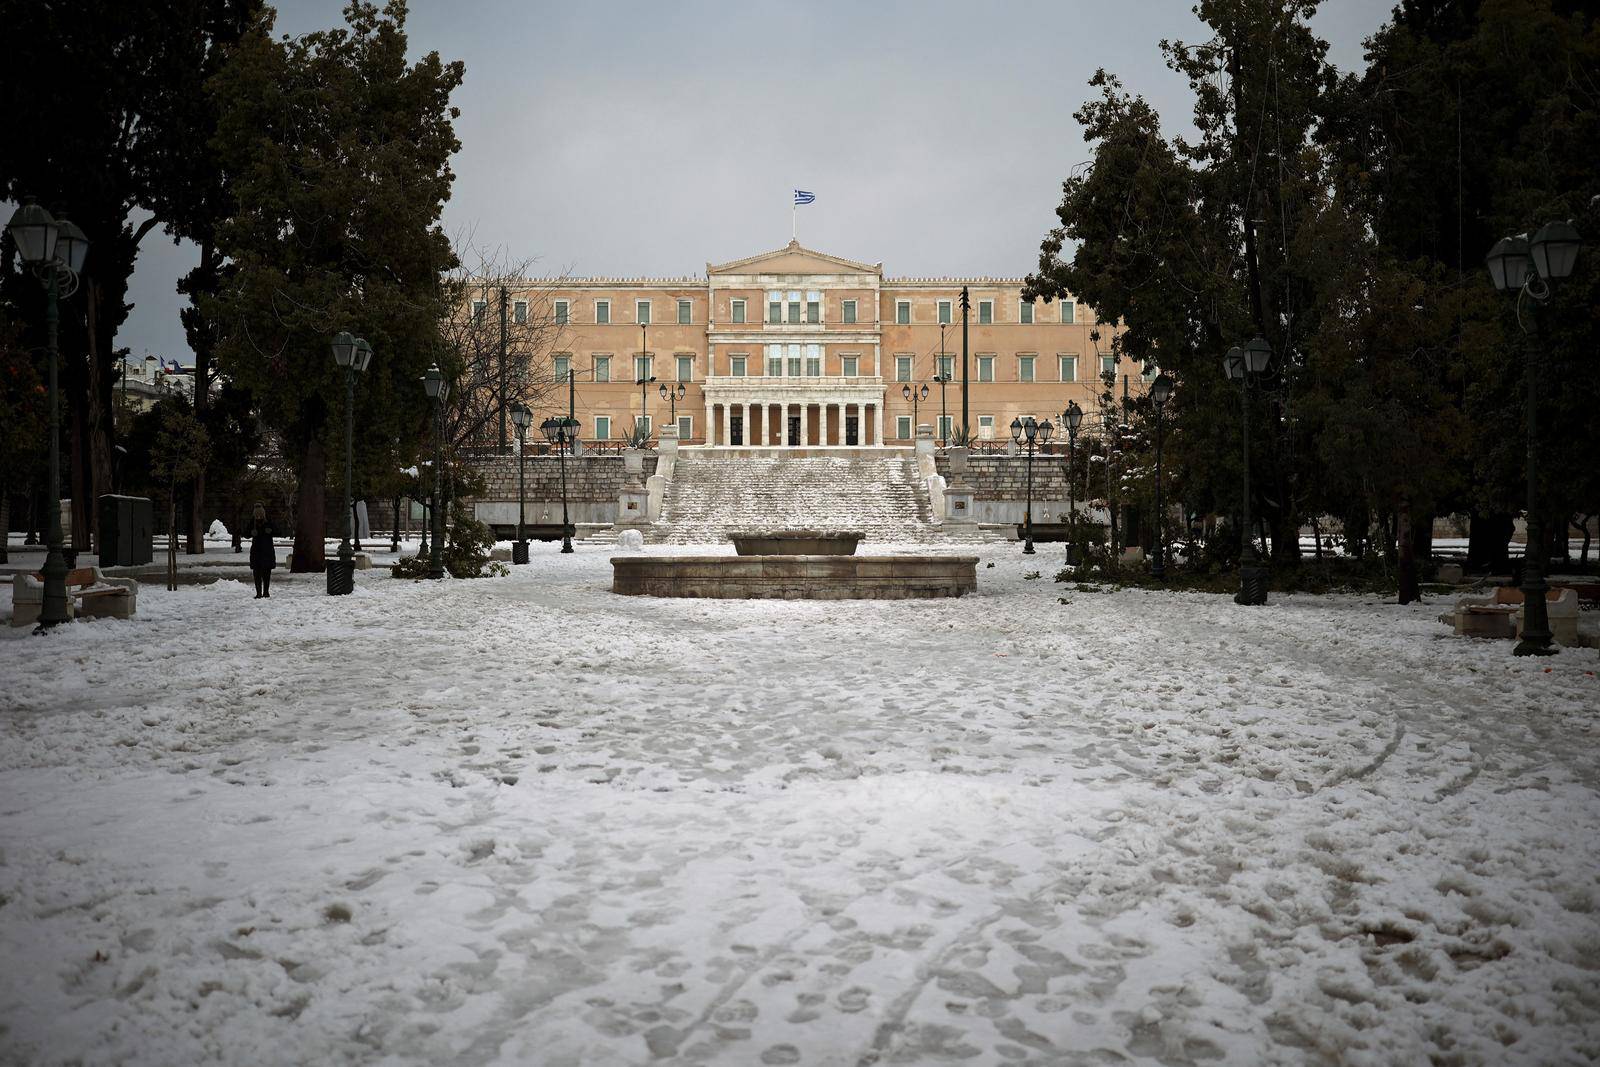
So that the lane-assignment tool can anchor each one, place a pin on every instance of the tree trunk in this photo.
(311, 516)
(1488, 535)
(172, 536)
(1422, 538)
(78, 458)
(5, 519)
(99, 422)
(1406, 547)
(197, 531)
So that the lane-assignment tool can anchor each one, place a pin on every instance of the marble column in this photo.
(880, 424)
(805, 424)
(727, 424)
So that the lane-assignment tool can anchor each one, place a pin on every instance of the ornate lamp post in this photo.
(1071, 418)
(916, 396)
(1244, 365)
(1529, 268)
(353, 354)
(1160, 393)
(438, 390)
(521, 418)
(561, 432)
(1032, 431)
(55, 250)
(672, 396)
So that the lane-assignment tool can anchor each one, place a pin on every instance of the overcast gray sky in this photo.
(648, 138)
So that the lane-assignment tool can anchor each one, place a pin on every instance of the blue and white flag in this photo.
(803, 197)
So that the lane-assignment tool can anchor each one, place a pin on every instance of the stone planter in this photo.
(958, 462)
(795, 543)
(633, 463)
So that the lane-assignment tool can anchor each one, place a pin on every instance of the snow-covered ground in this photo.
(524, 821)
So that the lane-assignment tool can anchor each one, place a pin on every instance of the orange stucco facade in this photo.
(799, 348)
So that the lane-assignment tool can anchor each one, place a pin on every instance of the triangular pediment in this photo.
(794, 258)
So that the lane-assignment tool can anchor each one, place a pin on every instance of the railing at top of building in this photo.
(868, 381)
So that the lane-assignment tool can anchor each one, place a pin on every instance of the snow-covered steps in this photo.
(880, 495)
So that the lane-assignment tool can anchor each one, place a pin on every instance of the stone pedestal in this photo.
(958, 504)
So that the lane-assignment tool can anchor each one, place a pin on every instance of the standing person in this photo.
(263, 557)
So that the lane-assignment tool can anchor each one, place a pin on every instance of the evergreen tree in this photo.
(339, 150)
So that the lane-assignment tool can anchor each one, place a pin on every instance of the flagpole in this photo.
(794, 221)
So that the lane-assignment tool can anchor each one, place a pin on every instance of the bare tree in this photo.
(500, 333)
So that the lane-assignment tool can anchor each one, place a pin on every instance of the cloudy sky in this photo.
(649, 138)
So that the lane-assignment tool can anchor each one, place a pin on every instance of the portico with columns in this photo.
(821, 412)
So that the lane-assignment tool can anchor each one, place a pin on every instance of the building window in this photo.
(774, 307)
(1069, 311)
(944, 312)
(685, 368)
(1069, 368)
(480, 308)
(813, 307)
(947, 367)
(1025, 368)
(850, 363)
(946, 424)
(738, 311)
(985, 312)
(985, 368)
(736, 366)
(902, 424)
(774, 361)
(685, 427)
(602, 427)
(562, 315)
(641, 368)
(813, 361)
(641, 311)
(1025, 312)
(1108, 365)
(794, 360)
(602, 368)
(644, 424)
(849, 312)
(685, 312)
(563, 368)
(519, 312)
(986, 427)
(794, 307)
(1149, 371)
(902, 368)
(902, 312)
(602, 312)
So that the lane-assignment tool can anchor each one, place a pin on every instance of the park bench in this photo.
(1500, 614)
(89, 593)
(1045, 532)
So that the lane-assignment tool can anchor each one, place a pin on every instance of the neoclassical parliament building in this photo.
(799, 349)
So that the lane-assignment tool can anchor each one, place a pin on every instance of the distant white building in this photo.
(148, 380)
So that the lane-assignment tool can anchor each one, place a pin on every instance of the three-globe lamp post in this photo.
(1033, 432)
(1245, 365)
(672, 396)
(521, 418)
(438, 390)
(561, 431)
(916, 396)
(1530, 267)
(54, 248)
(1160, 393)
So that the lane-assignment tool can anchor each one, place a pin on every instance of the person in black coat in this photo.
(263, 557)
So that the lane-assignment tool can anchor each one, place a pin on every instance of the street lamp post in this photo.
(1032, 431)
(561, 432)
(438, 390)
(1070, 418)
(55, 250)
(1530, 268)
(1244, 365)
(353, 354)
(672, 396)
(916, 396)
(521, 418)
(1160, 393)
(944, 418)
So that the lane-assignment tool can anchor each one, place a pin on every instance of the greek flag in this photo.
(803, 197)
